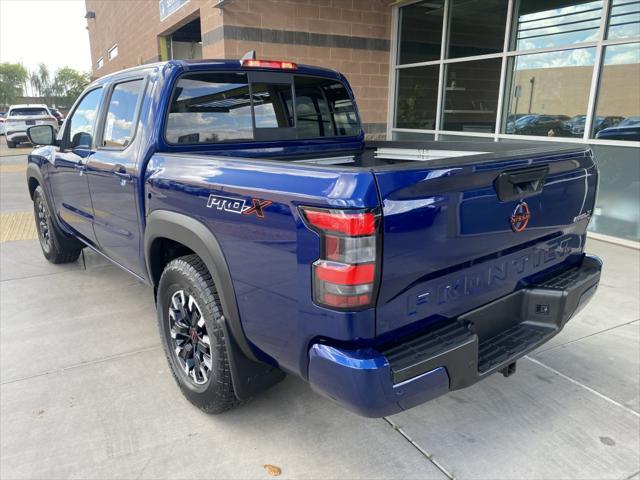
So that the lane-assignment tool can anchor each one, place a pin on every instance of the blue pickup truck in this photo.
(277, 240)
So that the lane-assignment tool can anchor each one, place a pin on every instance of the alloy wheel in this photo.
(43, 225)
(191, 344)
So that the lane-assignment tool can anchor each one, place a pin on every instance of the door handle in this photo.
(122, 174)
(519, 184)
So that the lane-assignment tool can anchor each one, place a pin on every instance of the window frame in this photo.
(263, 137)
(108, 94)
(100, 63)
(64, 133)
(113, 48)
(503, 93)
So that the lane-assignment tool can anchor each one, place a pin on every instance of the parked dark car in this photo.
(513, 118)
(577, 123)
(58, 114)
(627, 129)
(542, 125)
(574, 121)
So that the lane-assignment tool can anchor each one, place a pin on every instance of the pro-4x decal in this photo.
(238, 205)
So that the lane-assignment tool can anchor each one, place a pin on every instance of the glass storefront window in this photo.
(549, 92)
(465, 38)
(618, 108)
(413, 136)
(420, 32)
(617, 211)
(417, 96)
(624, 21)
(462, 138)
(551, 24)
(471, 95)
(549, 72)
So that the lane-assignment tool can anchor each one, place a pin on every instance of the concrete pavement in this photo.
(86, 392)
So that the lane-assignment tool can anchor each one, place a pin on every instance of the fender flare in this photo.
(197, 237)
(34, 172)
(249, 374)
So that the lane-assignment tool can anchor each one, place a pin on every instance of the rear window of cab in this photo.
(28, 112)
(215, 107)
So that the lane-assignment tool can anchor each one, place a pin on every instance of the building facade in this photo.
(463, 70)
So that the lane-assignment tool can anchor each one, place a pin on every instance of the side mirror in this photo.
(81, 140)
(42, 135)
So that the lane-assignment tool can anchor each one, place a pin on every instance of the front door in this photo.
(67, 175)
(113, 179)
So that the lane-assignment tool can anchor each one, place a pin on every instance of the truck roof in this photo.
(212, 64)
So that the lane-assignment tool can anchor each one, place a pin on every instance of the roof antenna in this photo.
(250, 55)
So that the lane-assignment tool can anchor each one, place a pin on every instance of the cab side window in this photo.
(324, 108)
(120, 124)
(210, 108)
(82, 124)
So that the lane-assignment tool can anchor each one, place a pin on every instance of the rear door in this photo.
(112, 174)
(459, 236)
(67, 178)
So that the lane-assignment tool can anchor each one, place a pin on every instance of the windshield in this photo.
(525, 119)
(627, 122)
(21, 112)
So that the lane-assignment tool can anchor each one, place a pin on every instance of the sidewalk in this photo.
(85, 392)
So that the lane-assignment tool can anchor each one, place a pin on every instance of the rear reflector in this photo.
(344, 274)
(346, 302)
(250, 63)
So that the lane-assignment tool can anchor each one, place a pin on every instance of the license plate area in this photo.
(30, 122)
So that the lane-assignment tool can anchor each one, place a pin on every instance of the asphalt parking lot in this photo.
(85, 391)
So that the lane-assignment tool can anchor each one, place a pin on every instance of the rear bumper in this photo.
(456, 354)
(17, 136)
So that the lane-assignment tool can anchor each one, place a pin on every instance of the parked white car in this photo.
(21, 117)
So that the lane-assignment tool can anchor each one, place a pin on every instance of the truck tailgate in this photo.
(459, 237)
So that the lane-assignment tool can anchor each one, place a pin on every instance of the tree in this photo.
(41, 82)
(12, 79)
(68, 84)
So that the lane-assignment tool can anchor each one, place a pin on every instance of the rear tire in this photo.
(11, 144)
(56, 246)
(190, 323)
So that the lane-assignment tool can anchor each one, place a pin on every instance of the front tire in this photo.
(56, 247)
(192, 334)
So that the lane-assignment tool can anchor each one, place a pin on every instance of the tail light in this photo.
(345, 277)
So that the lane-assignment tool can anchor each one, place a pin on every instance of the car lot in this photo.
(85, 391)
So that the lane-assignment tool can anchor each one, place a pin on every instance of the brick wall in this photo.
(352, 36)
(135, 26)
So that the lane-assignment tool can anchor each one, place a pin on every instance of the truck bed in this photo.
(391, 155)
(395, 155)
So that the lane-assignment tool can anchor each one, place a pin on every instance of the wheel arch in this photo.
(35, 179)
(249, 374)
(195, 236)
